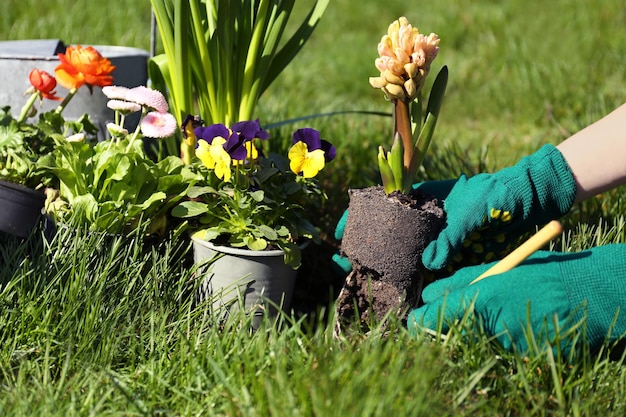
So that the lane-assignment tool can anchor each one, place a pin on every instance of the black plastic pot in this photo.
(20, 208)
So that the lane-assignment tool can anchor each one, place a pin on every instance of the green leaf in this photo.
(291, 48)
(386, 173)
(120, 169)
(10, 137)
(86, 206)
(256, 243)
(283, 230)
(432, 115)
(396, 162)
(189, 209)
(268, 232)
(155, 198)
(257, 195)
(437, 92)
(211, 234)
(195, 192)
(266, 173)
(223, 55)
(170, 165)
(416, 114)
(293, 255)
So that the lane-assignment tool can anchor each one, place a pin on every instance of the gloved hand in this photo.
(439, 189)
(568, 285)
(488, 213)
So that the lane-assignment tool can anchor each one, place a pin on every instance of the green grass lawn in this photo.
(107, 327)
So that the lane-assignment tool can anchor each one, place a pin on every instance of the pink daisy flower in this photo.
(148, 97)
(124, 107)
(158, 125)
(115, 92)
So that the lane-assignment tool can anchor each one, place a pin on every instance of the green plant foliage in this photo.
(22, 144)
(109, 187)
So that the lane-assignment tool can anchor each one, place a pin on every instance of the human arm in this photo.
(596, 154)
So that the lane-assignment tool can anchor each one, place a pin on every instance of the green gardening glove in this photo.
(567, 286)
(439, 189)
(488, 213)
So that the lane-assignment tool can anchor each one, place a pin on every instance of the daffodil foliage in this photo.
(220, 56)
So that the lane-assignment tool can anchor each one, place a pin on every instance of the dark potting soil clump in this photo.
(384, 239)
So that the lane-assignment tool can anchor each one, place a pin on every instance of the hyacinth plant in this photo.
(219, 57)
(250, 198)
(24, 141)
(405, 58)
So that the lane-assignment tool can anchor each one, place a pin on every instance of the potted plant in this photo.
(24, 142)
(251, 208)
(389, 226)
(113, 186)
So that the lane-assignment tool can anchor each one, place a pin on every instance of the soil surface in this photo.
(384, 239)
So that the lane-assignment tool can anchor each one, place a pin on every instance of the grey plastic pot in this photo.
(231, 277)
(18, 58)
(20, 208)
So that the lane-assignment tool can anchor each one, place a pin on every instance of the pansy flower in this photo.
(214, 156)
(310, 152)
(233, 143)
(250, 129)
(189, 125)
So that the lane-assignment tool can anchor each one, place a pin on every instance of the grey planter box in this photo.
(18, 58)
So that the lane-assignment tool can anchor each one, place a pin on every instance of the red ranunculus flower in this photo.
(44, 83)
(81, 66)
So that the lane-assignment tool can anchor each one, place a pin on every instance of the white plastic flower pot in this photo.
(18, 58)
(231, 277)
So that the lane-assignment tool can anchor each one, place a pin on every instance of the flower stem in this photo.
(27, 107)
(186, 152)
(66, 100)
(402, 125)
(133, 137)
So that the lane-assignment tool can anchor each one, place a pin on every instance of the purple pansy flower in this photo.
(250, 129)
(313, 141)
(234, 145)
(193, 122)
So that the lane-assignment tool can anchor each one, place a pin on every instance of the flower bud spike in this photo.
(386, 174)
(396, 162)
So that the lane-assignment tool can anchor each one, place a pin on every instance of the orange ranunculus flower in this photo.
(43, 83)
(81, 66)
